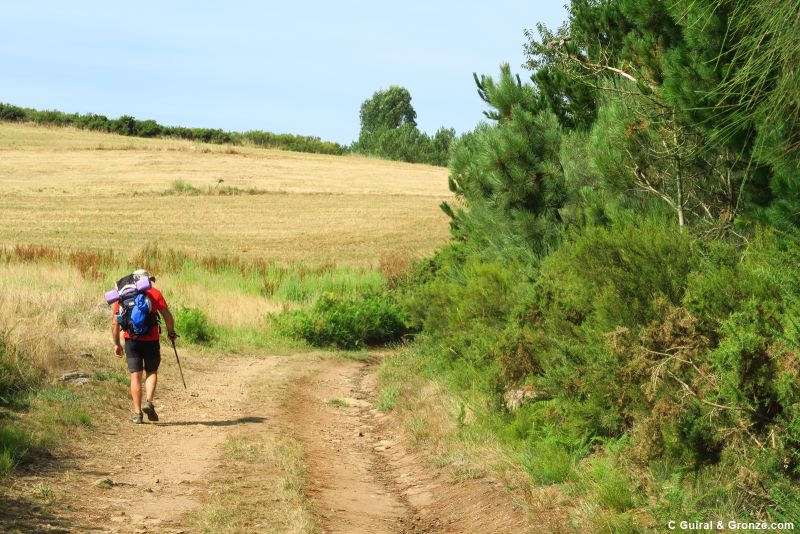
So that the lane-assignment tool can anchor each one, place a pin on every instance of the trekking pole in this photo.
(179, 362)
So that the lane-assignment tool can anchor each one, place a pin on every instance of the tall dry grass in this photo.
(49, 313)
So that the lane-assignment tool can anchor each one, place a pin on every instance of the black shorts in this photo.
(143, 355)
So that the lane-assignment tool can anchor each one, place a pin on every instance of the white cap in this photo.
(141, 273)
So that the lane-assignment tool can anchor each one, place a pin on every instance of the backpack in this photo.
(135, 315)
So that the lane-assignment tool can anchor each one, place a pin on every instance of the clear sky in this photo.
(285, 67)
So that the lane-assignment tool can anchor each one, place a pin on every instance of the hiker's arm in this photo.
(115, 335)
(169, 321)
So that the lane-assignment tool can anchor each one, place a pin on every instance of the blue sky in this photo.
(302, 68)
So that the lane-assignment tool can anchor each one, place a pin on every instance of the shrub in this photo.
(11, 113)
(455, 298)
(611, 277)
(464, 305)
(193, 325)
(346, 322)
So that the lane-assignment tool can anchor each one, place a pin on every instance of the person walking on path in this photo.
(143, 352)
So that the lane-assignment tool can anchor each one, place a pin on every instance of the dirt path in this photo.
(346, 484)
(360, 473)
(366, 477)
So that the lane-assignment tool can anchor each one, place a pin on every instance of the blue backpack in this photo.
(135, 315)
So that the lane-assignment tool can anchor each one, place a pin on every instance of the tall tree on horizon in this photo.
(389, 130)
(387, 109)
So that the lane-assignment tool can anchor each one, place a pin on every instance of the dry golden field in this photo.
(84, 190)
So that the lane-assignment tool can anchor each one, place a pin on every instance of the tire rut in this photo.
(329, 414)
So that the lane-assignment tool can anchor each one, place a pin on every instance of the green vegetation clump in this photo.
(192, 324)
(14, 448)
(114, 376)
(346, 322)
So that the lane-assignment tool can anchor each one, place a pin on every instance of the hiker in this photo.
(143, 351)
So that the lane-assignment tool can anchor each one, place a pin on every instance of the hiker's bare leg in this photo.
(136, 391)
(150, 385)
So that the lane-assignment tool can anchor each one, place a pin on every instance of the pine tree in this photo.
(508, 172)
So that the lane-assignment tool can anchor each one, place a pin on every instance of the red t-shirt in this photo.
(158, 304)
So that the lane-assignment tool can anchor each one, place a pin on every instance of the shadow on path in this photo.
(20, 514)
(239, 421)
(22, 510)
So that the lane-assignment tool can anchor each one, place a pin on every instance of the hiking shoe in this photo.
(150, 410)
(136, 418)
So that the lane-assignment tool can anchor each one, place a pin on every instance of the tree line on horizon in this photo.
(130, 126)
(388, 131)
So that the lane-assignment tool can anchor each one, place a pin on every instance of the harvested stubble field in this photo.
(83, 190)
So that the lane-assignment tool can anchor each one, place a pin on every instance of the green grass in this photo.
(394, 374)
(15, 445)
(250, 340)
(387, 398)
(39, 417)
(548, 463)
(111, 376)
(58, 394)
(285, 283)
(442, 460)
(609, 485)
(306, 287)
(356, 355)
(76, 416)
(339, 403)
(243, 450)
(44, 492)
(221, 516)
(65, 406)
(466, 472)
(601, 520)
